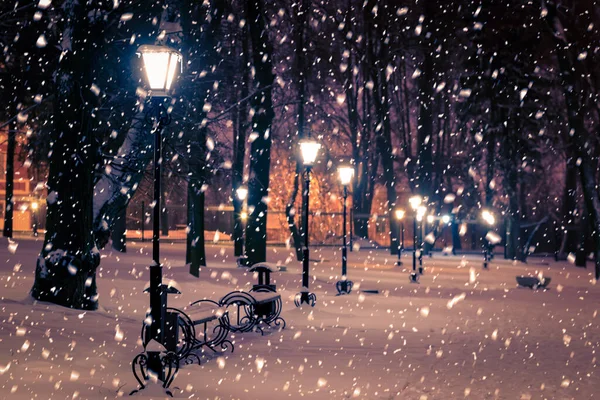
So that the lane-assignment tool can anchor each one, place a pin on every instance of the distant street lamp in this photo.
(34, 215)
(489, 218)
(344, 286)
(421, 211)
(400, 218)
(309, 150)
(161, 65)
(241, 193)
(415, 203)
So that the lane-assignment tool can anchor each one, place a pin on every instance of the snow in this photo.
(462, 332)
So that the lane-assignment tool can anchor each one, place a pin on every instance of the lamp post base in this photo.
(164, 365)
(344, 287)
(421, 270)
(413, 277)
(305, 297)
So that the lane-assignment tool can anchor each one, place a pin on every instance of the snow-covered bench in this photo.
(201, 313)
(261, 305)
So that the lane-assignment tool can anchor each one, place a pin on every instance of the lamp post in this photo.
(344, 286)
(415, 203)
(309, 149)
(421, 210)
(34, 208)
(161, 65)
(241, 193)
(400, 213)
(489, 218)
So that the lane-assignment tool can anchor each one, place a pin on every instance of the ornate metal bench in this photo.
(190, 339)
(261, 305)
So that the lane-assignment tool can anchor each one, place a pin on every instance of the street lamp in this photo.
(161, 65)
(489, 218)
(421, 211)
(415, 203)
(241, 193)
(34, 207)
(309, 150)
(346, 173)
(400, 218)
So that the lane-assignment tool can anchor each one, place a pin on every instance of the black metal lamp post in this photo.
(159, 334)
(344, 286)
(415, 204)
(309, 149)
(420, 216)
(400, 213)
(241, 193)
(489, 218)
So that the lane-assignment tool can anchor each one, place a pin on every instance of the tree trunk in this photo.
(425, 116)
(118, 232)
(199, 23)
(121, 178)
(66, 268)
(567, 53)
(239, 152)
(10, 171)
(301, 15)
(378, 57)
(195, 251)
(260, 158)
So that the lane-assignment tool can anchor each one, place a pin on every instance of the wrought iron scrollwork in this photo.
(169, 362)
(344, 287)
(305, 298)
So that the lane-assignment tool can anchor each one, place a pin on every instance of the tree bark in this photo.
(573, 88)
(119, 240)
(425, 116)
(120, 179)
(301, 16)
(66, 268)
(239, 152)
(199, 22)
(260, 157)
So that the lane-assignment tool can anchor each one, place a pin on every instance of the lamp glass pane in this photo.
(174, 62)
(309, 150)
(242, 193)
(415, 202)
(346, 174)
(156, 65)
(399, 214)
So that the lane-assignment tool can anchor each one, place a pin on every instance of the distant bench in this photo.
(260, 305)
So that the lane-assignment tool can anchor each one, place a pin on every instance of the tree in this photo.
(260, 156)
(66, 268)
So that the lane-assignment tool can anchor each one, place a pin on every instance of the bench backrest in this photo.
(264, 271)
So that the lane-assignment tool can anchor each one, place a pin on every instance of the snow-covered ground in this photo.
(462, 332)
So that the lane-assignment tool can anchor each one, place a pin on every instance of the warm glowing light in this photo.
(34, 205)
(309, 149)
(241, 193)
(430, 219)
(421, 210)
(488, 217)
(445, 219)
(161, 64)
(346, 173)
(415, 202)
(244, 215)
(400, 214)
